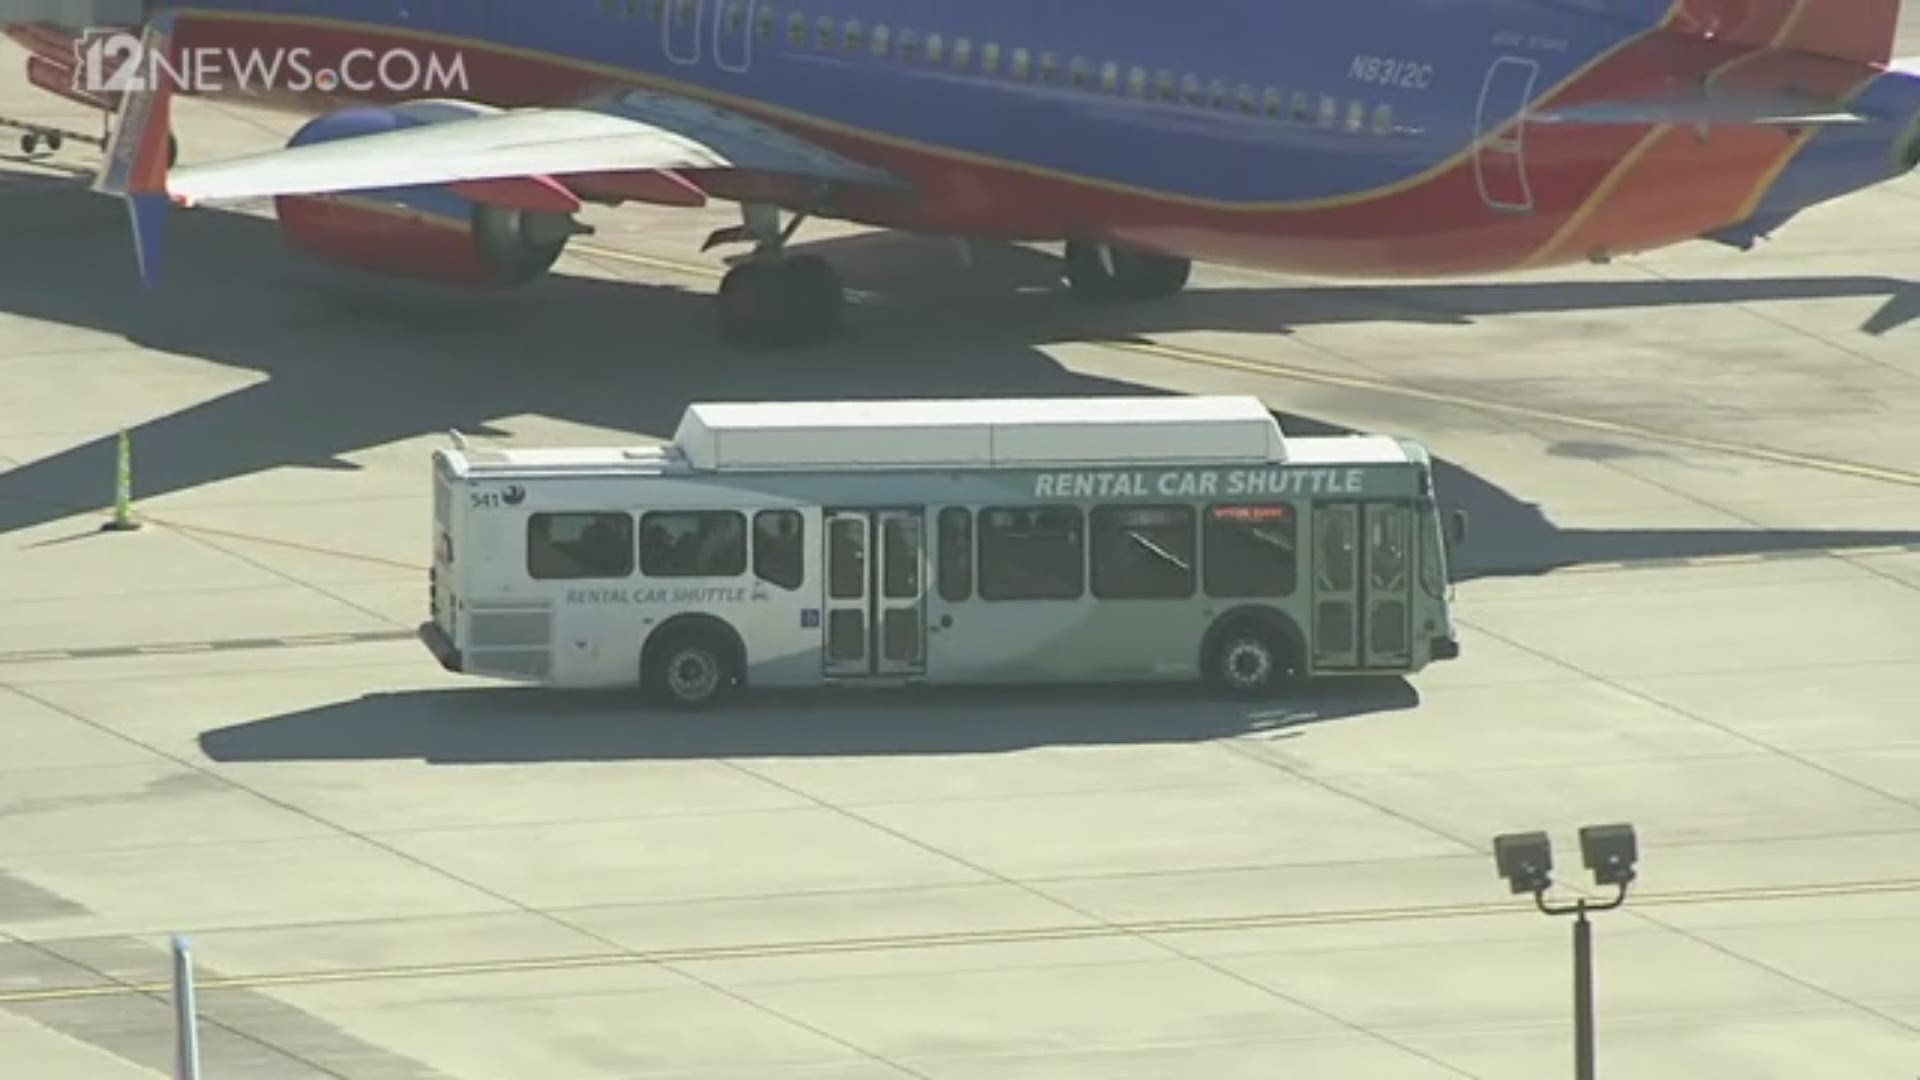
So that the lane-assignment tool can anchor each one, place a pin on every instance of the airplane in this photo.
(1359, 138)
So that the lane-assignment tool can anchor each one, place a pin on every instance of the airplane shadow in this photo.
(350, 362)
(520, 725)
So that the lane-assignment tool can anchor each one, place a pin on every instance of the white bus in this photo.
(967, 541)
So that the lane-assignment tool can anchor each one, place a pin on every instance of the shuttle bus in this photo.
(941, 542)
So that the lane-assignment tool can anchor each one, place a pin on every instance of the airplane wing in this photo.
(452, 142)
(638, 131)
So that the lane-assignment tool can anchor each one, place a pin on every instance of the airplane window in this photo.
(1218, 95)
(763, 23)
(609, 7)
(1302, 107)
(1049, 67)
(1018, 67)
(823, 32)
(1137, 82)
(796, 29)
(1246, 99)
(989, 59)
(736, 17)
(1079, 72)
(658, 8)
(909, 44)
(1276, 105)
(1110, 77)
(935, 48)
(1383, 120)
(962, 54)
(1190, 90)
(1329, 111)
(880, 41)
(683, 12)
(1356, 116)
(851, 37)
(1163, 84)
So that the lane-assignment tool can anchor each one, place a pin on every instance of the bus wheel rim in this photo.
(1248, 663)
(693, 674)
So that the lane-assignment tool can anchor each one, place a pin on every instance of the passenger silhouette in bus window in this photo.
(1335, 558)
(1387, 549)
(777, 549)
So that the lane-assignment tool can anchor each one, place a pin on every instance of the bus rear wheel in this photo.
(1249, 661)
(690, 672)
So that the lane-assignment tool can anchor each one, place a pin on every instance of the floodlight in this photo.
(1525, 860)
(1609, 851)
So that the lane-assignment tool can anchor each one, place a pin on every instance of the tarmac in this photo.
(1691, 602)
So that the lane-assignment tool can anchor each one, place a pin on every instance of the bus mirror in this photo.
(1457, 527)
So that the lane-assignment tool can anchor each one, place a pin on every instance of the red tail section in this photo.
(1858, 30)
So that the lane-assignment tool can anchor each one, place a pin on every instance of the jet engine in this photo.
(485, 234)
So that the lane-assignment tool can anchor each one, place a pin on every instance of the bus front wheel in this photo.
(691, 672)
(1249, 661)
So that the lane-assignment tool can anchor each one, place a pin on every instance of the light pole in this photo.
(1526, 861)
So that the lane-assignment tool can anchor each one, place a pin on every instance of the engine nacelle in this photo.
(428, 233)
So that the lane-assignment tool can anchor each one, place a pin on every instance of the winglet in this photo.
(136, 160)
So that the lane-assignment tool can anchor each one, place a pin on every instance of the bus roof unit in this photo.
(976, 433)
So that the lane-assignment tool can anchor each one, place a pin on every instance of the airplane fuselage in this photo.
(1367, 137)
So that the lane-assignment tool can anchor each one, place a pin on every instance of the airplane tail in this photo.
(1857, 30)
(136, 159)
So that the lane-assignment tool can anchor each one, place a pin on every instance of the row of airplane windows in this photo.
(1300, 107)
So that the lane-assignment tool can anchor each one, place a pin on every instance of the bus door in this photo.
(1362, 576)
(1388, 585)
(1336, 585)
(876, 605)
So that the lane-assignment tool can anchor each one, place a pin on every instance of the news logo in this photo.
(114, 61)
(110, 62)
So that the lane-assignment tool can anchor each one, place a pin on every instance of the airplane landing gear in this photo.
(33, 137)
(771, 298)
(30, 142)
(1098, 273)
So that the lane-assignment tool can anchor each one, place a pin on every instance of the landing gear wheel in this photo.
(173, 150)
(783, 302)
(55, 141)
(1101, 274)
(30, 143)
(1248, 662)
(817, 298)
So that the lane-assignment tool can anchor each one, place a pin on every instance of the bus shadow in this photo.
(493, 726)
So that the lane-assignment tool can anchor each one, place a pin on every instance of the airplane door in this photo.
(733, 22)
(680, 28)
(1500, 132)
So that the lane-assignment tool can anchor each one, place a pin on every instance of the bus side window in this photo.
(777, 548)
(1032, 553)
(562, 546)
(694, 543)
(1251, 550)
(956, 555)
(1142, 552)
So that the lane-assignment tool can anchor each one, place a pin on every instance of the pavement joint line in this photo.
(1278, 370)
(959, 939)
(218, 645)
(1798, 758)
